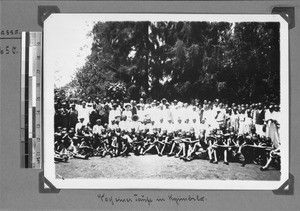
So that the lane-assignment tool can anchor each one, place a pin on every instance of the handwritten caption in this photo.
(9, 35)
(10, 32)
(145, 199)
(8, 49)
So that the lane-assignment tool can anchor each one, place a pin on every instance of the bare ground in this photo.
(155, 167)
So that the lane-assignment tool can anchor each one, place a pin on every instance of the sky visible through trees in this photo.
(181, 60)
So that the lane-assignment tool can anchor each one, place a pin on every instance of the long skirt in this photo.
(273, 133)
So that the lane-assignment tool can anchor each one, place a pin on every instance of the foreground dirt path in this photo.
(154, 167)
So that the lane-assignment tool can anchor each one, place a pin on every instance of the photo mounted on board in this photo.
(166, 101)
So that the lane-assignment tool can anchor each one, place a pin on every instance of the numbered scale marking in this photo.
(31, 105)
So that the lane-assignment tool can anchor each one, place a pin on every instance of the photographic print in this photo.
(166, 101)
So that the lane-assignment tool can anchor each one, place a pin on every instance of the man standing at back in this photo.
(83, 112)
(259, 118)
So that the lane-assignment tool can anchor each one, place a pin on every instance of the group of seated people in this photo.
(184, 141)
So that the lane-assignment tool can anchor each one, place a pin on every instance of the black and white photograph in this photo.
(166, 101)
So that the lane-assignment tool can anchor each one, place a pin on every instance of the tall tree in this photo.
(184, 60)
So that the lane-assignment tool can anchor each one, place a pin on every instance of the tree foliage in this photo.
(183, 60)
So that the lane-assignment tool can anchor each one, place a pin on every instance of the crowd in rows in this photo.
(210, 130)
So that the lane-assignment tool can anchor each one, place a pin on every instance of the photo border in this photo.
(48, 101)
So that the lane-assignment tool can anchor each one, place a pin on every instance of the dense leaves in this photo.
(183, 60)
(116, 91)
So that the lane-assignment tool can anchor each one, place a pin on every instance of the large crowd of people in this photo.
(212, 130)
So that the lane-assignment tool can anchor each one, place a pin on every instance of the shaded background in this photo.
(19, 187)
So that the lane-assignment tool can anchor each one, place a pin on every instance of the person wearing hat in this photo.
(163, 101)
(142, 102)
(175, 102)
(127, 111)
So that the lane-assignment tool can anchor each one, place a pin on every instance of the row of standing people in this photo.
(207, 116)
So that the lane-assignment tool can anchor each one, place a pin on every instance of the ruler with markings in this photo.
(31, 100)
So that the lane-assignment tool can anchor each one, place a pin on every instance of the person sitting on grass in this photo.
(97, 130)
(263, 152)
(158, 143)
(134, 137)
(85, 147)
(249, 147)
(162, 140)
(79, 125)
(188, 144)
(74, 149)
(211, 140)
(126, 144)
(233, 143)
(220, 146)
(60, 152)
(104, 144)
(151, 142)
(114, 144)
(175, 142)
(225, 144)
(137, 141)
(274, 154)
(199, 149)
(259, 150)
(181, 145)
(148, 140)
(168, 142)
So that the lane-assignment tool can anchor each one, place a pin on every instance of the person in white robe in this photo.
(127, 112)
(272, 125)
(84, 112)
(113, 113)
